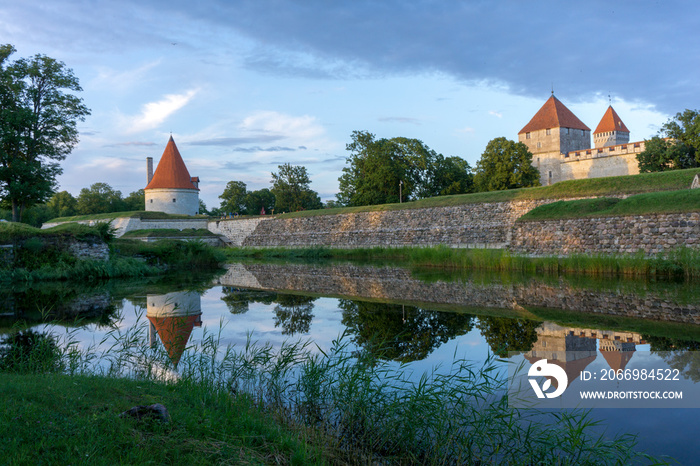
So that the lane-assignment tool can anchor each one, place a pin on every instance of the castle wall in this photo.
(172, 201)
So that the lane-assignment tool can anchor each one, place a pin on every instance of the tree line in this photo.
(39, 112)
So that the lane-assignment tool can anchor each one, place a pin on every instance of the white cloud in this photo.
(495, 113)
(467, 129)
(122, 79)
(154, 113)
(295, 128)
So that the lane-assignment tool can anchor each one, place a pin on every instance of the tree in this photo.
(290, 187)
(677, 146)
(203, 208)
(38, 129)
(508, 335)
(505, 164)
(136, 200)
(256, 201)
(62, 204)
(99, 199)
(233, 197)
(384, 171)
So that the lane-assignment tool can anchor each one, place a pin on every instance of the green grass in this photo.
(58, 419)
(687, 200)
(168, 233)
(613, 185)
(260, 405)
(11, 232)
(130, 214)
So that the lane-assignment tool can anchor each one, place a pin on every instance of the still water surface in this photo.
(426, 319)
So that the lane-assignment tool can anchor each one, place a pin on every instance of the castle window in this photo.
(588, 152)
(549, 131)
(173, 199)
(151, 201)
(567, 130)
(550, 174)
(539, 144)
(612, 148)
(636, 144)
(624, 147)
(600, 151)
(527, 135)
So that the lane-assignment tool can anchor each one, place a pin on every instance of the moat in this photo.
(423, 318)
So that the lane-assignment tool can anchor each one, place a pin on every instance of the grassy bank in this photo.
(38, 260)
(58, 419)
(291, 405)
(681, 263)
(609, 186)
(129, 214)
(687, 200)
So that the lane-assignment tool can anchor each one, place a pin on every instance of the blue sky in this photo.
(244, 86)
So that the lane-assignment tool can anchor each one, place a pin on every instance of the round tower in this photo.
(171, 189)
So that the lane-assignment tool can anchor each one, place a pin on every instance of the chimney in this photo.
(149, 168)
(195, 181)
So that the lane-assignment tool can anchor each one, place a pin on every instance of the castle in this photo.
(561, 145)
(171, 189)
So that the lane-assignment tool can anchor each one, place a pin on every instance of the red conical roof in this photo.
(611, 122)
(553, 114)
(175, 332)
(171, 171)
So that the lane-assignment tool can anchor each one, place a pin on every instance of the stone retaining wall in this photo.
(472, 225)
(652, 233)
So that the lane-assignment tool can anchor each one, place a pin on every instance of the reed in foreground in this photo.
(363, 409)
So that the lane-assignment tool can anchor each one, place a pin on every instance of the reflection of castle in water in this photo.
(573, 349)
(173, 316)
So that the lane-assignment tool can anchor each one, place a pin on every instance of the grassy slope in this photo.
(16, 231)
(614, 185)
(131, 214)
(687, 200)
(57, 419)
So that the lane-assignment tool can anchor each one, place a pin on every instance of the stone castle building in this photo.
(171, 189)
(561, 145)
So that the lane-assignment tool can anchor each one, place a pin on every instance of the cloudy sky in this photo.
(244, 86)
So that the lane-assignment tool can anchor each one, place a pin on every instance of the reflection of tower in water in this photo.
(173, 316)
(573, 349)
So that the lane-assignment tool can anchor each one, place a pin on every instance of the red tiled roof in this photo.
(171, 171)
(611, 122)
(553, 114)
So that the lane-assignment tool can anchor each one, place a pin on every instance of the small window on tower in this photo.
(539, 144)
(527, 135)
(151, 201)
(173, 199)
(549, 131)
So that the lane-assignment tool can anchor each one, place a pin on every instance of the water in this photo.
(426, 319)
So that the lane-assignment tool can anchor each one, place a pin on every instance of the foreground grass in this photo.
(289, 405)
(687, 200)
(681, 263)
(58, 419)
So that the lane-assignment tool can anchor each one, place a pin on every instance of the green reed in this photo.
(369, 410)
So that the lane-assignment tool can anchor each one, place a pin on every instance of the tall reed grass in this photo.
(369, 410)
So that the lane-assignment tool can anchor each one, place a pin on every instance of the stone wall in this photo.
(473, 225)
(235, 230)
(90, 248)
(124, 224)
(652, 233)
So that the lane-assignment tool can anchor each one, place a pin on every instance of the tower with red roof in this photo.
(611, 130)
(171, 189)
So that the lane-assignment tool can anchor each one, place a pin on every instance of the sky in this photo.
(245, 86)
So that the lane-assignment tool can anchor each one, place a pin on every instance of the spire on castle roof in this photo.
(554, 114)
(611, 122)
(171, 172)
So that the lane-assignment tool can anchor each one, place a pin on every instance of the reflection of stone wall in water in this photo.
(397, 284)
(173, 316)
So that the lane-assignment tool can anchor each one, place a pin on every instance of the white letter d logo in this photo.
(544, 369)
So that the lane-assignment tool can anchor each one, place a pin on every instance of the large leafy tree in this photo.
(258, 201)
(677, 145)
(98, 199)
(290, 185)
(38, 126)
(384, 171)
(136, 200)
(505, 164)
(233, 197)
(62, 204)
